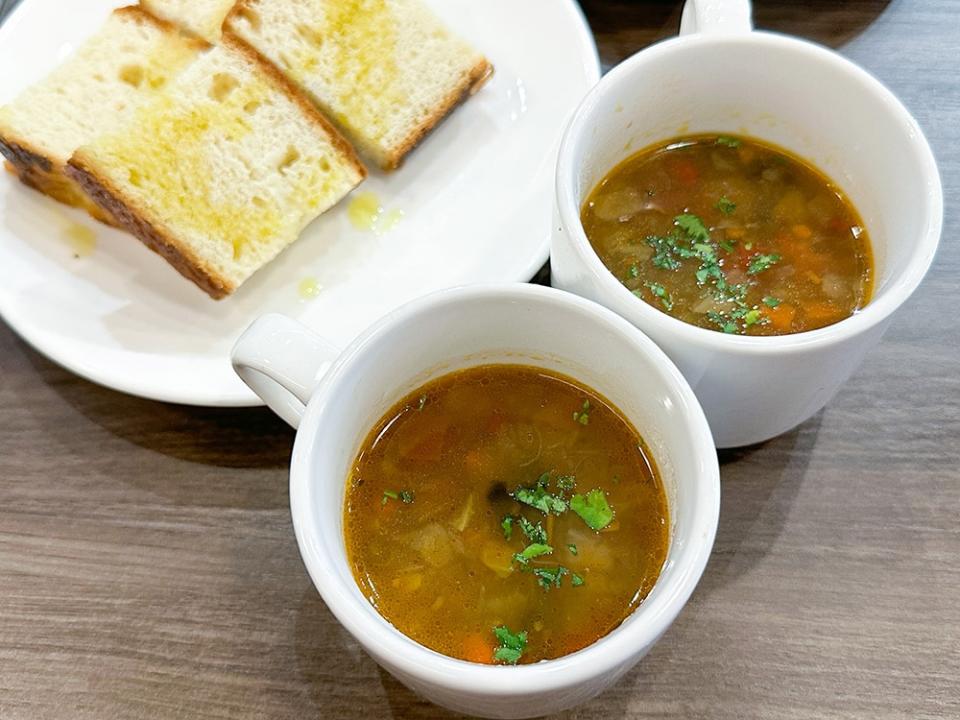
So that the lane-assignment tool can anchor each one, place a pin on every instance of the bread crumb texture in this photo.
(97, 89)
(227, 163)
(201, 17)
(384, 70)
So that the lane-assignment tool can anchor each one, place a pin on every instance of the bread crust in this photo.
(22, 156)
(149, 232)
(286, 86)
(47, 175)
(473, 81)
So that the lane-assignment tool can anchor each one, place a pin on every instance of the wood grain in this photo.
(148, 568)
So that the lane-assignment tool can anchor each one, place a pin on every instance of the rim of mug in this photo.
(646, 623)
(872, 314)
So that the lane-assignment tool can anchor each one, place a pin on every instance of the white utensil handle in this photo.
(282, 362)
(716, 17)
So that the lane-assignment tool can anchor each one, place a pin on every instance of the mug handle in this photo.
(716, 17)
(282, 362)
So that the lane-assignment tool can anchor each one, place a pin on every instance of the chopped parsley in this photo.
(583, 417)
(550, 577)
(538, 497)
(404, 496)
(593, 509)
(531, 551)
(761, 263)
(708, 271)
(727, 141)
(726, 205)
(771, 301)
(752, 317)
(660, 292)
(663, 249)
(690, 239)
(705, 252)
(534, 533)
(725, 323)
(693, 227)
(634, 271)
(511, 645)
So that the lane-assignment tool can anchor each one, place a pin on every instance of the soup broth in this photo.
(731, 234)
(505, 514)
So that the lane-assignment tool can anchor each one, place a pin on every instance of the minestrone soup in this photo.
(732, 234)
(505, 514)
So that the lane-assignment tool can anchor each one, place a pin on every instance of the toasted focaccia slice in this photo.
(385, 71)
(222, 171)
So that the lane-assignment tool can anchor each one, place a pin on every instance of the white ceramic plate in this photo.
(475, 199)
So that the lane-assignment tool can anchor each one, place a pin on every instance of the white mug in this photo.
(433, 336)
(719, 76)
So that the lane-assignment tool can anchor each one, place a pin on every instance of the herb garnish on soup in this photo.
(732, 234)
(505, 514)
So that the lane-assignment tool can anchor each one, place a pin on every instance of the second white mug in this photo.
(726, 78)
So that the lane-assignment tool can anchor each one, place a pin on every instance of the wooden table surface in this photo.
(148, 567)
